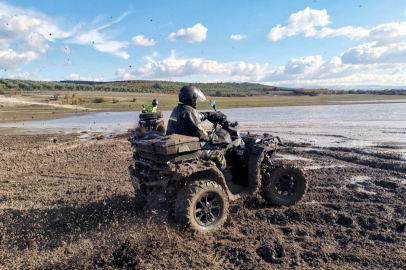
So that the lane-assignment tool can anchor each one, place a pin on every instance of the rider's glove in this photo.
(217, 117)
(206, 115)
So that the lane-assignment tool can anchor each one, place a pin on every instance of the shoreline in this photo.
(28, 108)
(314, 133)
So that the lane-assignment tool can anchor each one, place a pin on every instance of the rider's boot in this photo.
(229, 180)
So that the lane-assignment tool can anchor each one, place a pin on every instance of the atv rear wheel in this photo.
(284, 185)
(140, 198)
(202, 206)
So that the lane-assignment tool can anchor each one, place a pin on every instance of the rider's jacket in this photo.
(185, 120)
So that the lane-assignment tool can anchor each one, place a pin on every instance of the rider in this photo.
(186, 120)
(151, 107)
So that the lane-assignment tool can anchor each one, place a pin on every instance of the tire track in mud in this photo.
(385, 161)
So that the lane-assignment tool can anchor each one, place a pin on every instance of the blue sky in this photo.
(334, 44)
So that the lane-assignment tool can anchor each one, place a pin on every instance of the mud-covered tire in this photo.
(201, 206)
(140, 198)
(284, 185)
(151, 116)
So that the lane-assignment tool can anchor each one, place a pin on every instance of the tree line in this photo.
(141, 86)
(316, 92)
(12, 86)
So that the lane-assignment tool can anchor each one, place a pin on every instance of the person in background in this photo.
(151, 107)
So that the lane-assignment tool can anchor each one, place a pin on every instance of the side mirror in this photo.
(213, 104)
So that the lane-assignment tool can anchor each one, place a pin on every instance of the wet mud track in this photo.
(69, 204)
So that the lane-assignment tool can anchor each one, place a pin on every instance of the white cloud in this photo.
(173, 67)
(66, 49)
(51, 31)
(386, 43)
(390, 33)
(16, 27)
(303, 21)
(197, 33)
(150, 58)
(20, 27)
(120, 71)
(102, 42)
(352, 81)
(348, 31)
(314, 68)
(314, 72)
(35, 42)
(26, 20)
(369, 54)
(10, 59)
(101, 39)
(77, 77)
(249, 70)
(238, 37)
(24, 75)
(303, 65)
(306, 22)
(30, 29)
(35, 28)
(380, 60)
(128, 76)
(143, 41)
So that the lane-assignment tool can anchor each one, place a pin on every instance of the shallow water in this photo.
(352, 125)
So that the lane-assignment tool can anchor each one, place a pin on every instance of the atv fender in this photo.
(202, 170)
(254, 157)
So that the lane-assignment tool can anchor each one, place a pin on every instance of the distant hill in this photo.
(167, 87)
(143, 86)
(223, 89)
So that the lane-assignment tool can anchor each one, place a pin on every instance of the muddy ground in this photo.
(68, 204)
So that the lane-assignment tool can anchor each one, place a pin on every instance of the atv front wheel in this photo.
(284, 185)
(202, 206)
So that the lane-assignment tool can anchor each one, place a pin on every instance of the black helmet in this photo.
(189, 95)
(155, 102)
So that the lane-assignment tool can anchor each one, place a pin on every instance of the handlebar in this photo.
(280, 141)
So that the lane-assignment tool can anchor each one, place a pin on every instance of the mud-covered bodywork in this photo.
(173, 161)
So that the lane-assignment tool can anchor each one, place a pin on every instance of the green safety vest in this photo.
(151, 108)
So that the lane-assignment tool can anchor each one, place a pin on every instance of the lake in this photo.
(349, 125)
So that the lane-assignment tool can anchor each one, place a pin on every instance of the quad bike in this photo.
(168, 170)
(151, 121)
